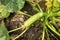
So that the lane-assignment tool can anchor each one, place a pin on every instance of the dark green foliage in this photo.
(3, 32)
(7, 6)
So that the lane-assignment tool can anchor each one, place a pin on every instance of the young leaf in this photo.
(4, 14)
(3, 32)
(56, 3)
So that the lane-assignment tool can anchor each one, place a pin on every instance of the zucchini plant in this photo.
(50, 17)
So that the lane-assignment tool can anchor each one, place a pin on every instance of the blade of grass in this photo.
(19, 12)
(20, 34)
(38, 6)
(52, 26)
(53, 35)
(43, 33)
(17, 29)
(54, 23)
(47, 34)
(52, 29)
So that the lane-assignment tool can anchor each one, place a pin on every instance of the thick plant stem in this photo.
(30, 21)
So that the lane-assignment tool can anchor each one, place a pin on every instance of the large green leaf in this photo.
(13, 5)
(3, 32)
(7, 6)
